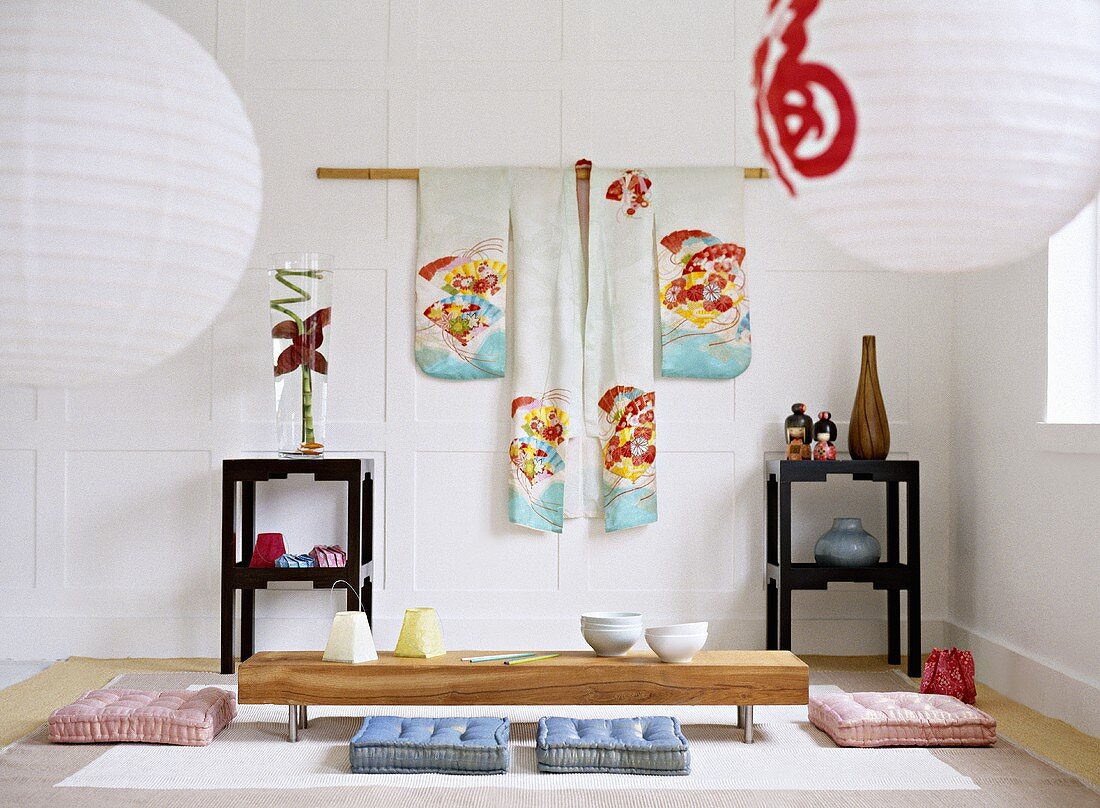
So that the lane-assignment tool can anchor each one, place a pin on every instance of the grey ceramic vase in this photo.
(847, 544)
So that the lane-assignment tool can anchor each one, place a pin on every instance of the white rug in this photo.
(789, 754)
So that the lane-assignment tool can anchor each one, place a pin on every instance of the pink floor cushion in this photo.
(901, 719)
(180, 717)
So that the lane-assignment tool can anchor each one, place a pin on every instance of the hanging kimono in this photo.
(590, 261)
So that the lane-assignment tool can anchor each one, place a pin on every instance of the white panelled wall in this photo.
(1023, 568)
(111, 511)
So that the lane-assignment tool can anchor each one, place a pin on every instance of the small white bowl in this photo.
(672, 648)
(624, 631)
(612, 642)
(612, 617)
(678, 628)
(594, 624)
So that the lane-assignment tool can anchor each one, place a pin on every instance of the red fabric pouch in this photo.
(950, 672)
(269, 546)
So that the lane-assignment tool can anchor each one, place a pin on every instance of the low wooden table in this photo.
(733, 678)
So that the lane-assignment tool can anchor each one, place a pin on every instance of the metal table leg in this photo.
(746, 721)
(303, 717)
(739, 724)
(292, 724)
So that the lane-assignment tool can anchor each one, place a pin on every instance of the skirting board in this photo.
(1029, 681)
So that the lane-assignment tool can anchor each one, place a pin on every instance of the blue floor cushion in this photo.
(647, 745)
(386, 744)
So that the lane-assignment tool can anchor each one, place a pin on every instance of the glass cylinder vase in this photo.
(300, 290)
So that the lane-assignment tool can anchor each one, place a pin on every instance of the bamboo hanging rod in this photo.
(583, 172)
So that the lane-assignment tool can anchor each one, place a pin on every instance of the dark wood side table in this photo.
(892, 574)
(236, 574)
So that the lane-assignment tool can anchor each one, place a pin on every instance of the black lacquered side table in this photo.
(244, 473)
(893, 575)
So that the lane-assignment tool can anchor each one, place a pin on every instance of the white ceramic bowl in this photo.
(673, 648)
(612, 642)
(624, 631)
(593, 624)
(678, 628)
(612, 618)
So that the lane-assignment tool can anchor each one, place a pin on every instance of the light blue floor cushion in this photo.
(647, 745)
(386, 744)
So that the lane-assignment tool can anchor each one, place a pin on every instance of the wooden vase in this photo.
(869, 431)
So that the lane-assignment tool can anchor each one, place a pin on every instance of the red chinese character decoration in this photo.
(805, 117)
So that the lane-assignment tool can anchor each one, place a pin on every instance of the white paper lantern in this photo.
(131, 190)
(933, 134)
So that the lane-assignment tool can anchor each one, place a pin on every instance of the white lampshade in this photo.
(933, 134)
(350, 639)
(131, 190)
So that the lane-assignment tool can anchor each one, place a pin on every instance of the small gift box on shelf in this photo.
(330, 555)
(291, 561)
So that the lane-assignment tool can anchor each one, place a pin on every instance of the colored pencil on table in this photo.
(495, 657)
(530, 659)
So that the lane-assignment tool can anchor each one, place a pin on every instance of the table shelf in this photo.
(893, 575)
(245, 577)
(817, 471)
(241, 475)
(815, 576)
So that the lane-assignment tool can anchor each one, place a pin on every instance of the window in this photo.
(1073, 322)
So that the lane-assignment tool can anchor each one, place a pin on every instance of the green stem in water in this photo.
(279, 305)
(307, 405)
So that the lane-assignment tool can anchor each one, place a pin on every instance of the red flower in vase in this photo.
(302, 350)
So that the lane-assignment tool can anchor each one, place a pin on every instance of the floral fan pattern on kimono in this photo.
(538, 488)
(461, 335)
(631, 191)
(629, 434)
(704, 308)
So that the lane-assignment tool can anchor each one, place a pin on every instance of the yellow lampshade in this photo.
(350, 639)
(421, 634)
